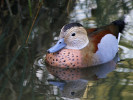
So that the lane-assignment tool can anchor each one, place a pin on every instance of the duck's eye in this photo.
(73, 34)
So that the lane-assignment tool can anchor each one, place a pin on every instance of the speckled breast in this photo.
(66, 58)
(65, 64)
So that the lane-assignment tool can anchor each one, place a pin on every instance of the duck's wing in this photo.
(95, 35)
(114, 28)
(105, 40)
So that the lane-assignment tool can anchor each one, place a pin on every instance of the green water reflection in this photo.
(22, 74)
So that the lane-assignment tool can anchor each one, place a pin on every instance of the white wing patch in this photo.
(107, 48)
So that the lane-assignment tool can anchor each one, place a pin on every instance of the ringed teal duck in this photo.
(78, 47)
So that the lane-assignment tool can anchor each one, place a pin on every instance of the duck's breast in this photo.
(66, 58)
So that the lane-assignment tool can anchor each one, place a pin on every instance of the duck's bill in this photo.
(58, 46)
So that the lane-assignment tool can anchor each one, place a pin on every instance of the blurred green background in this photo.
(22, 76)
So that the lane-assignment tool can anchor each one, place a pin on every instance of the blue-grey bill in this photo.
(58, 46)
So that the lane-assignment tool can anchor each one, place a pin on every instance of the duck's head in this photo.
(72, 36)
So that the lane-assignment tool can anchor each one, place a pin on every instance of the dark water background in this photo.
(22, 74)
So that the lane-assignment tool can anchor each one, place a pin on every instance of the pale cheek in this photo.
(76, 42)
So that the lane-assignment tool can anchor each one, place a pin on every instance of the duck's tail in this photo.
(120, 24)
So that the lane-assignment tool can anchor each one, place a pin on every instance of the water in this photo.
(23, 75)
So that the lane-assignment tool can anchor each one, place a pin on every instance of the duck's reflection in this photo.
(76, 88)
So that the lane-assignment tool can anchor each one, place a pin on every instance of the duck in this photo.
(78, 47)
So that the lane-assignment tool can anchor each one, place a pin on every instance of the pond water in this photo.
(23, 74)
